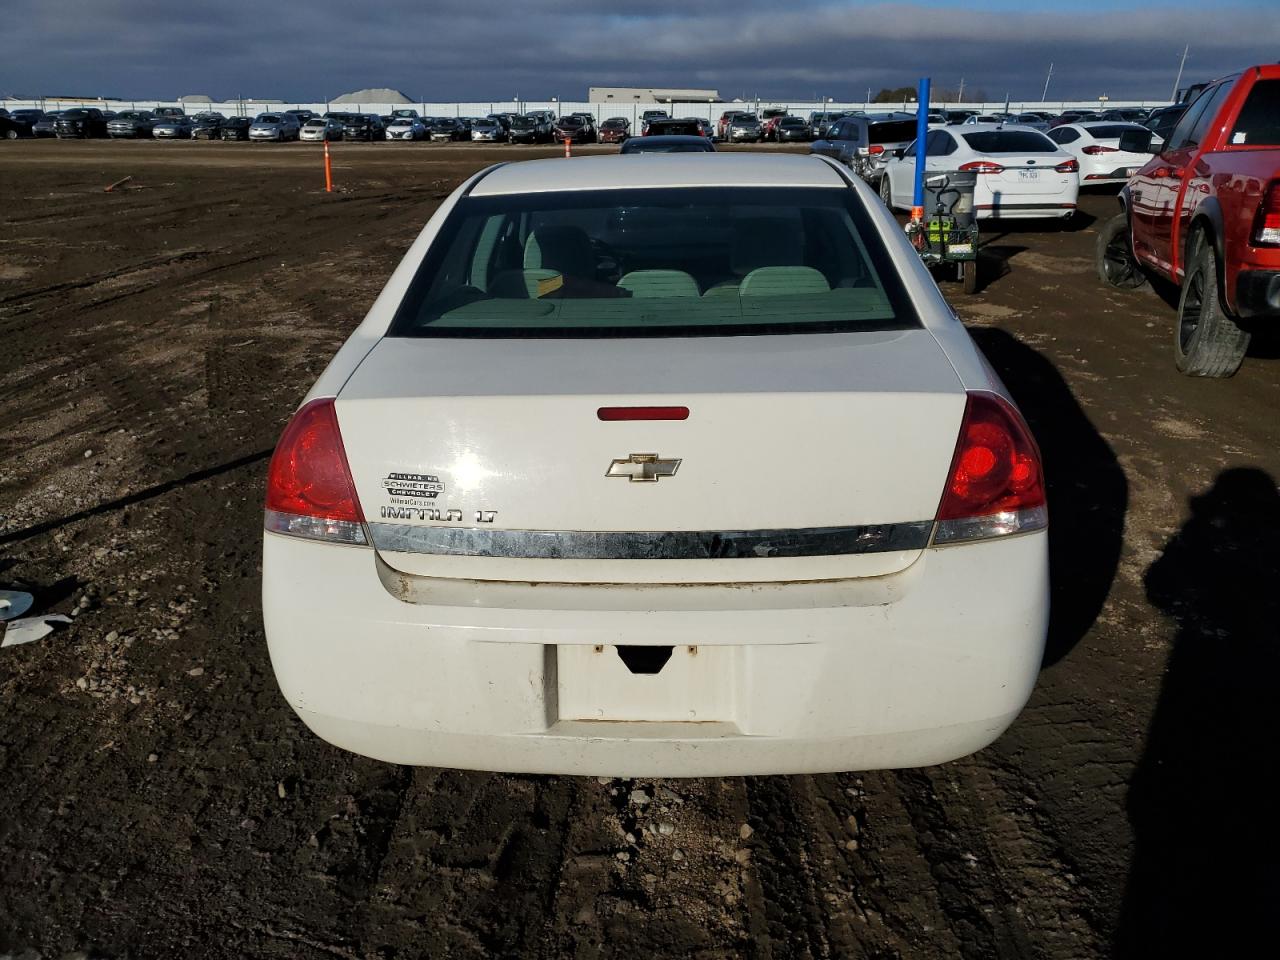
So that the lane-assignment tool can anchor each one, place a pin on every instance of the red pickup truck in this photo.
(1204, 213)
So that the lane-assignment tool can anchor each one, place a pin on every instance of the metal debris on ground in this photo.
(17, 632)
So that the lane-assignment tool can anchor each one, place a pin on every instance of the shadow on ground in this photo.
(1088, 491)
(1206, 871)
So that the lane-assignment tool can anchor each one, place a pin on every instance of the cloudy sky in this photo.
(445, 50)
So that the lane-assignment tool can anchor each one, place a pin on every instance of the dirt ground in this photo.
(158, 798)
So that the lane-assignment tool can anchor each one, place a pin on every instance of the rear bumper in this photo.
(911, 669)
(1024, 211)
(1258, 294)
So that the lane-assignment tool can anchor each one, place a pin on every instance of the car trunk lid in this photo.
(844, 434)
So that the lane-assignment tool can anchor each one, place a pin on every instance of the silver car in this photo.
(488, 131)
(321, 128)
(405, 128)
(744, 127)
(173, 128)
(275, 126)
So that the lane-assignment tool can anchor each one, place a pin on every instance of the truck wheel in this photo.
(1114, 258)
(969, 275)
(1207, 342)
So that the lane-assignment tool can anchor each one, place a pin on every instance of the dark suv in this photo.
(131, 124)
(363, 126)
(81, 123)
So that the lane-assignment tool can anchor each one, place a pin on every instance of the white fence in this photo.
(630, 110)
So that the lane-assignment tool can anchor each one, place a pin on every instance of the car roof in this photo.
(667, 170)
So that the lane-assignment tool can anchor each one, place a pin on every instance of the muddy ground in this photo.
(158, 797)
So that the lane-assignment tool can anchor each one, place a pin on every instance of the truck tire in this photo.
(1207, 342)
(1113, 255)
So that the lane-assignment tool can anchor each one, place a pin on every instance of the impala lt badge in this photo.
(643, 468)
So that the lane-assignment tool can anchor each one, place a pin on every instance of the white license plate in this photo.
(961, 248)
(1029, 174)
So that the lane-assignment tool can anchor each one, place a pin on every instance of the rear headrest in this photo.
(659, 283)
(525, 284)
(766, 242)
(565, 249)
(782, 282)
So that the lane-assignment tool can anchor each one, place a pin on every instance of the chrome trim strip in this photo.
(649, 544)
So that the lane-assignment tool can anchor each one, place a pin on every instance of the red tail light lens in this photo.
(1068, 166)
(874, 149)
(1267, 231)
(642, 413)
(309, 488)
(1096, 148)
(982, 166)
(996, 483)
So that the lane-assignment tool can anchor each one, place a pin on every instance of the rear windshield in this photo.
(645, 145)
(894, 131)
(268, 118)
(1009, 141)
(655, 262)
(745, 118)
(792, 122)
(1109, 133)
(1259, 120)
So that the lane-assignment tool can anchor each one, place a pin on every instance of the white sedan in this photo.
(1096, 146)
(672, 466)
(1022, 174)
(321, 128)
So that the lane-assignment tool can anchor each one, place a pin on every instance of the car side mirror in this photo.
(1138, 141)
(900, 153)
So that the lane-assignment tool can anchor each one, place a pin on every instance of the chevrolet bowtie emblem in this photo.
(643, 468)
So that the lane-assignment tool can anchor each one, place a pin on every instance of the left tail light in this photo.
(996, 484)
(1096, 148)
(1266, 232)
(982, 166)
(310, 492)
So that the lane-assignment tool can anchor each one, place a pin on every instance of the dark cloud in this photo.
(310, 50)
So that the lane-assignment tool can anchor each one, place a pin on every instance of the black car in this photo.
(668, 127)
(19, 123)
(665, 144)
(529, 130)
(1162, 121)
(82, 123)
(792, 129)
(447, 129)
(363, 126)
(235, 128)
(132, 124)
(207, 126)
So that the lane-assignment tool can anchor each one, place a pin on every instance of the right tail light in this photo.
(996, 483)
(1266, 231)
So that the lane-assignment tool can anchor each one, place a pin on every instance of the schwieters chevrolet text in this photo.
(664, 466)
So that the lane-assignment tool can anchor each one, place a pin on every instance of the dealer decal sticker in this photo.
(409, 489)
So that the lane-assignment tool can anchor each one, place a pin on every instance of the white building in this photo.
(651, 95)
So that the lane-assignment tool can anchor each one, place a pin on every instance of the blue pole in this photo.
(922, 133)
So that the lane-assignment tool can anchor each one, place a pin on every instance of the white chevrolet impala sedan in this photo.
(677, 465)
